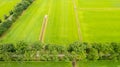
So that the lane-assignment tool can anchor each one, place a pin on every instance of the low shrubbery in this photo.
(13, 15)
(37, 51)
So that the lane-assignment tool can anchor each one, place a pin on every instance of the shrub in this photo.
(36, 46)
(21, 47)
(11, 12)
(6, 17)
(4, 26)
(76, 51)
(92, 54)
(0, 21)
(2, 30)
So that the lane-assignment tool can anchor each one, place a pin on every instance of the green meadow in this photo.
(28, 26)
(61, 64)
(35, 64)
(6, 6)
(68, 21)
(98, 3)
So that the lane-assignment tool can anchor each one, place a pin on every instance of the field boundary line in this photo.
(99, 9)
(77, 21)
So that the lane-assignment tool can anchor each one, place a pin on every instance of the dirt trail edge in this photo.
(77, 21)
(45, 20)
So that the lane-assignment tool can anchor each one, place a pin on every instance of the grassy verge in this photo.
(6, 6)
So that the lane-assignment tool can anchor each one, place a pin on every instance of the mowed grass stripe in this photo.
(62, 27)
(35, 64)
(98, 3)
(101, 26)
(28, 26)
(45, 22)
(99, 23)
(6, 6)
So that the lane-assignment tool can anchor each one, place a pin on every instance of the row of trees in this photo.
(13, 15)
(37, 51)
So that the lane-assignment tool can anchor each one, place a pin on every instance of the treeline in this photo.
(37, 51)
(13, 15)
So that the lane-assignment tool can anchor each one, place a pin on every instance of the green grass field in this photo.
(61, 27)
(101, 26)
(98, 64)
(98, 3)
(61, 64)
(99, 22)
(28, 26)
(6, 6)
(35, 64)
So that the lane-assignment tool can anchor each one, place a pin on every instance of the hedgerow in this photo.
(37, 51)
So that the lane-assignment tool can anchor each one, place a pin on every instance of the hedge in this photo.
(37, 51)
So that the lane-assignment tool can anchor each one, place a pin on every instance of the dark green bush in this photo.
(0, 21)
(6, 17)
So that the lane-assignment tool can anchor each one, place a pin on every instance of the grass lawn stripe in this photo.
(44, 24)
(6, 6)
(28, 26)
(62, 27)
(77, 21)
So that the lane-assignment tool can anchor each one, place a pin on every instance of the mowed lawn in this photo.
(28, 26)
(98, 3)
(62, 27)
(103, 63)
(100, 25)
(6, 6)
(99, 22)
(35, 64)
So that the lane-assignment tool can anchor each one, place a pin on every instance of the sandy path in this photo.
(45, 20)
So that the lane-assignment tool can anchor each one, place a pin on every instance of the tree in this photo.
(92, 54)
(2, 30)
(7, 51)
(11, 12)
(8, 48)
(5, 17)
(7, 24)
(25, 4)
(4, 26)
(54, 55)
(115, 54)
(0, 21)
(21, 47)
(36, 46)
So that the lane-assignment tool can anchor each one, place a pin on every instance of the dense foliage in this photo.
(13, 15)
(37, 51)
